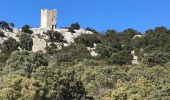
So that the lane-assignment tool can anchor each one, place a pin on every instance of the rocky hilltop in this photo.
(40, 39)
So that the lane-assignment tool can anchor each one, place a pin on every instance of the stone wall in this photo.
(39, 44)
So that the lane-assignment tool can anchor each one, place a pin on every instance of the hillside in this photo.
(83, 64)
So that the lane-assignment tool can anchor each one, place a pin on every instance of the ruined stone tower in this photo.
(48, 19)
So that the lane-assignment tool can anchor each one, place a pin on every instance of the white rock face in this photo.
(92, 51)
(135, 58)
(69, 37)
(94, 54)
(39, 38)
(137, 36)
(8, 34)
(3, 39)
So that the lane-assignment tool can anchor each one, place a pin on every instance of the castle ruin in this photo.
(48, 19)
(48, 22)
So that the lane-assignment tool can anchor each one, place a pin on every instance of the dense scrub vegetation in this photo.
(73, 74)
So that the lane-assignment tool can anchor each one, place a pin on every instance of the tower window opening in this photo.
(52, 27)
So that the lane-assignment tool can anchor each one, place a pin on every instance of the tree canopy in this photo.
(72, 73)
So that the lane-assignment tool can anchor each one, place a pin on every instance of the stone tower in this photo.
(48, 19)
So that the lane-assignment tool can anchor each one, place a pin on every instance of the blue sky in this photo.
(98, 14)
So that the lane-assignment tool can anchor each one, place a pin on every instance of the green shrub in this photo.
(2, 34)
(63, 57)
(89, 62)
(26, 29)
(24, 62)
(121, 58)
(9, 45)
(78, 52)
(74, 26)
(26, 41)
(55, 36)
(4, 57)
(87, 39)
(105, 51)
(156, 58)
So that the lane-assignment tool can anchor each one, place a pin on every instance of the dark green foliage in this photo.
(74, 26)
(112, 39)
(26, 41)
(111, 35)
(121, 58)
(92, 30)
(127, 36)
(137, 43)
(77, 52)
(55, 36)
(87, 39)
(156, 58)
(105, 51)
(113, 50)
(52, 49)
(26, 29)
(71, 89)
(130, 33)
(2, 34)
(60, 84)
(70, 54)
(158, 38)
(9, 45)
(25, 62)
(4, 25)
(90, 62)
(108, 76)
(3, 58)
(73, 74)
(12, 25)
(39, 59)
(64, 57)
(53, 46)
